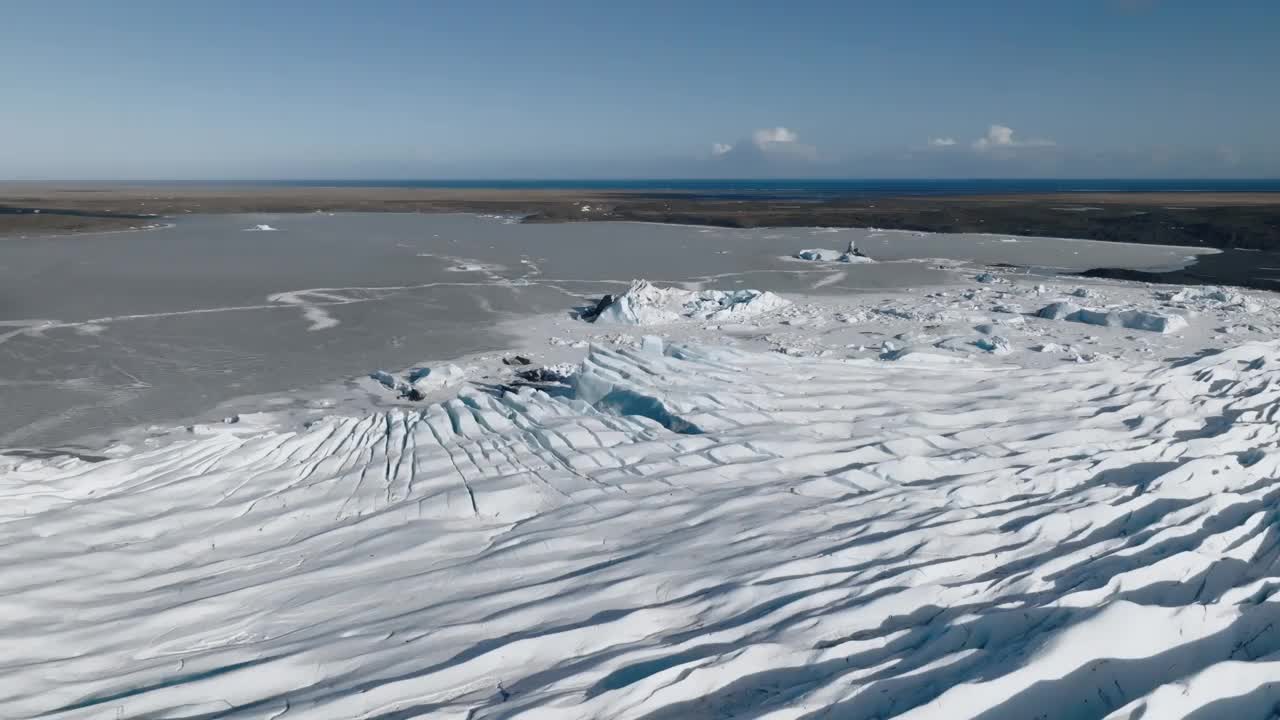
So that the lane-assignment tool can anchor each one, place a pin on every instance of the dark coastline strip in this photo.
(1217, 220)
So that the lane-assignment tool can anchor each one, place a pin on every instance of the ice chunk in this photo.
(427, 379)
(851, 255)
(651, 345)
(419, 382)
(1210, 297)
(1139, 320)
(1058, 311)
(995, 344)
(648, 304)
(385, 379)
(854, 255)
(1131, 319)
(819, 255)
(642, 304)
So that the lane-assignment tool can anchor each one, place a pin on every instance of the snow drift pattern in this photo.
(732, 534)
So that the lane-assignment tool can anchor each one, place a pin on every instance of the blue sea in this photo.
(821, 189)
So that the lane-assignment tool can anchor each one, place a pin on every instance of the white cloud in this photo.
(997, 136)
(941, 142)
(1001, 136)
(766, 147)
(770, 136)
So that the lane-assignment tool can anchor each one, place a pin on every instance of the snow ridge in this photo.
(687, 532)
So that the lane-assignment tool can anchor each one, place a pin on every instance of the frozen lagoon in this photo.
(105, 331)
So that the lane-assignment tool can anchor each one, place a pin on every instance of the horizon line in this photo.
(598, 180)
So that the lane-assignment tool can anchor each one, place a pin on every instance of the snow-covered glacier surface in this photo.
(682, 531)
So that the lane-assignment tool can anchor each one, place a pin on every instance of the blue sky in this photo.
(567, 88)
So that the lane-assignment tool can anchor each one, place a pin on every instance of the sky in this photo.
(395, 89)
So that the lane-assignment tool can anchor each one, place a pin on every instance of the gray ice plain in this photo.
(748, 485)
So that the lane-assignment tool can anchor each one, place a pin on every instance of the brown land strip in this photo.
(1223, 220)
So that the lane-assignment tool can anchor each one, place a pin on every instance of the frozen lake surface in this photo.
(104, 331)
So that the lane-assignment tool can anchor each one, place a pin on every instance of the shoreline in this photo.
(1247, 220)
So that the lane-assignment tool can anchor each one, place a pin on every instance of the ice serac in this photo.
(1131, 319)
(647, 304)
(685, 532)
